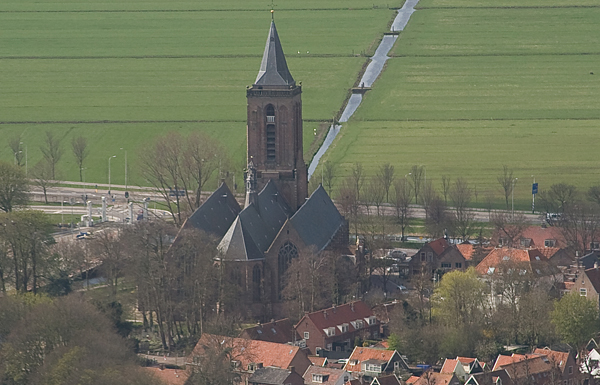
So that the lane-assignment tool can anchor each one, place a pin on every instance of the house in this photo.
(391, 379)
(588, 284)
(462, 367)
(318, 361)
(370, 362)
(249, 355)
(281, 331)
(536, 369)
(563, 363)
(433, 378)
(428, 256)
(591, 364)
(317, 375)
(507, 260)
(498, 377)
(335, 329)
(452, 259)
(589, 260)
(275, 376)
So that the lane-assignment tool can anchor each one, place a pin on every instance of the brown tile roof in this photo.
(250, 351)
(519, 366)
(449, 366)
(538, 235)
(439, 245)
(168, 376)
(412, 379)
(548, 252)
(466, 360)
(593, 275)
(467, 250)
(531, 260)
(334, 374)
(318, 361)
(558, 358)
(361, 354)
(338, 315)
(281, 331)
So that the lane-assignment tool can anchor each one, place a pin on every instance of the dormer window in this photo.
(320, 378)
(329, 331)
(371, 320)
(549, 242)
(525, 242)
(343, 328)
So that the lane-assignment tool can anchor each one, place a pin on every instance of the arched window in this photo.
(256, 278)
(270, 112)
(286, 253)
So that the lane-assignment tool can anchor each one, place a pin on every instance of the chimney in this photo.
(352, 306)
(259, 365)
(161, 366)
(292, 369)
(596, 265)
(325, 314)
(333, 307)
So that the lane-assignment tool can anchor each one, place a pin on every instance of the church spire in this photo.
(273, 68)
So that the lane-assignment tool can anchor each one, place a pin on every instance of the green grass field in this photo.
(474, 85)
(122, 72)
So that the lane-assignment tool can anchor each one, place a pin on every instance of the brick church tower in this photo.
(275, 126)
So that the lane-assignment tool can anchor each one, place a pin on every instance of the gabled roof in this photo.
(270, 376)
(548, 252)
(386, 380)
(593, 275)
(317, 220)
(490, 378)
(273, 68)
(538, 236)
(280, 331)
(437, 379)
(449, 366)
(588, 260)
(451, 253)
(318, 361)
(361, 354)
(334, 316)
(466, 249)
(519, 365)
(334, 375)
(439, 245)
(558, 358)
(216, 214)
(250, 351)
(531, 260)
(256, 226)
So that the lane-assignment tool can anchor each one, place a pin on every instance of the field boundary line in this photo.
(189, 10)
(471, 120)
(503, 55)
(28, 57)
(514, 7)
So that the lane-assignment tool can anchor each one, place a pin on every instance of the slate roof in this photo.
(317, 220)
(269, 375)
(216, 214)
(490, 378)
(280, 331)
(588, 260)
(386, 380)
(519, 365)
(256, 226)
(273, 68)
(338, 315)
(593, 275)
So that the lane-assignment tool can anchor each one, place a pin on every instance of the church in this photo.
(279, 221)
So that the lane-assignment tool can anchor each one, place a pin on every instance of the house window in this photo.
(458, 265)
(343, 328)
(396, 365)
(286, 253)
(525, 242)
(373, 368)
(329, 347)
(430, 257)
(549, 242)
(446, 265)
(570, 370)
(594, 245)
(583, 292)
(423, 256)
(306, 335)
(317, 378)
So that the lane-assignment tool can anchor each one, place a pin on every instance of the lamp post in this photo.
(114, 156)
(513, 197)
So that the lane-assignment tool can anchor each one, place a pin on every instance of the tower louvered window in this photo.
(270, 111)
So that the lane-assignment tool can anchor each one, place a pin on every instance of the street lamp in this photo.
(114, 156)
(513, 197)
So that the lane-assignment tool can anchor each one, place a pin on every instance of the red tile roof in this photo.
(519, 365)
(251, 351)
(538, 235)
(466, 360)
(439, 245)
(318, 361)
(449, 366)
(435, 378)
(338, 315)
(412, 379)
(531, 259)
(467, 250)
(360, 354)
(558, 358)
(280, 331)
(169, 376)
(548, 252)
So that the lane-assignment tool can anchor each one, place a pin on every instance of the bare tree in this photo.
(428, 195)
(460, 194)
(348, 200)
(416, 178)
(13, 187)
(439, 219)
(358, 178)
(580, 225)
(445, 187)
(52, 151)
(558, 197)
(80, 151)
(329, 171)
(202, 157)
(42, 177)
(509, 227)
(505, 181)
(16, 147)
(593, 194)
(402, 198)
(386, 178)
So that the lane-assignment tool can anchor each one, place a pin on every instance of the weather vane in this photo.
(272, 9)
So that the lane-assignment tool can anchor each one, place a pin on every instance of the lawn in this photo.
(121, 77)
(475, 85)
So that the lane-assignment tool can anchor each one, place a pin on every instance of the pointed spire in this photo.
(273, 68)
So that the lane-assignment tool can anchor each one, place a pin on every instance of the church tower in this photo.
(274, 131)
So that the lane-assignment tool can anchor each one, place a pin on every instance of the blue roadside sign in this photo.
(534, 188)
